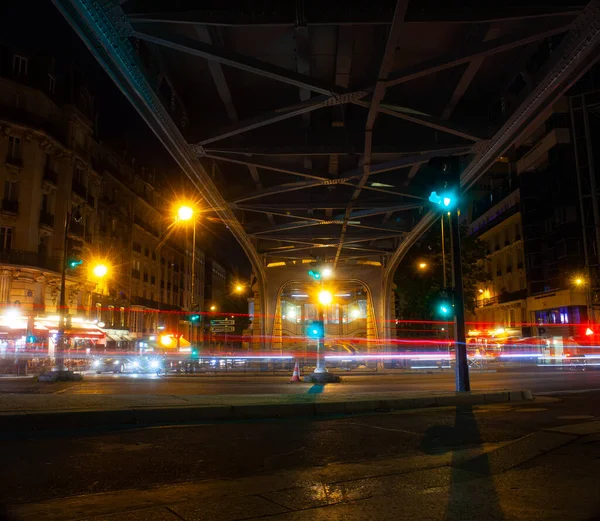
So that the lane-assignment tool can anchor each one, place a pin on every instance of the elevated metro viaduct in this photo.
(306, 126)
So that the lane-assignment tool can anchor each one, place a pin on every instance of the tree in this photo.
(418, 289)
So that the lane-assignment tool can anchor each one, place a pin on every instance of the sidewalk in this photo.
(493, 481)
(48, 411)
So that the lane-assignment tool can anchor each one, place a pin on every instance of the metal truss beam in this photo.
(387, 62)
(319, 205)
(373, 14)
(484, 49)
(576, 54)
(425, 121)
(238, 61)
(350, 239)
(282, 114)
(337, 149)
(293, 226)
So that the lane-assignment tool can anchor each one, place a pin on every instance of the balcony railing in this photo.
(10, 205)
(14, 160)
(47, 218)
(50, 175)
(154, 304)
(79, 188)
(503, 298)
(76, 228)
(27, 258)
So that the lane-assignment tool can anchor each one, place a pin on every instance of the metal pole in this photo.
(460, 345)
(193, 331)
(443, 252)
(60, 345)
(320, 366)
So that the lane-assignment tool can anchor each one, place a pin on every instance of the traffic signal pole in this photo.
(320, 362)
(460, 342)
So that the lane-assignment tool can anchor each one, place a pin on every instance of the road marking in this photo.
(579, 429)
(385, 428)
(66, 389)
(572, 391)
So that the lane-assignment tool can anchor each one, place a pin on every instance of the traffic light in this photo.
(443, 305)
(444, 184)
(194, 353)
(315, 329)
(74, 253)
(315, 274)
(195, 317)
(444, 309)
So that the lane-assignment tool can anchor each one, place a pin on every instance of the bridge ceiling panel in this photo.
(312, 168)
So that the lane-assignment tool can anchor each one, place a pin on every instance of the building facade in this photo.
(529, 218)
(53, 168)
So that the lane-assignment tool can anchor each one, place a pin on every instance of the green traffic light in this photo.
(315, 274)
(194, 318)
(75, 263)
(443, 200)
(444, 309)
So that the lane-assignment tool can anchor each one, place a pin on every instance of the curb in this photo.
(164, 415)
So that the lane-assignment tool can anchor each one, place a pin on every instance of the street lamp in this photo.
(73, 215)
(325, 297)
(239, 288)
(100, 270)
(213, 308)
(422, 265)
(187, 213)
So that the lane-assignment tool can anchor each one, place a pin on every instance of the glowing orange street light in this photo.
(422, 265)
(185, 213)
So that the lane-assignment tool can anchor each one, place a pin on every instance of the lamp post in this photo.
(75, 215)
(187, 213)
(325, 299)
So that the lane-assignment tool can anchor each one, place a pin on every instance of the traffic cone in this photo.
(296, 374)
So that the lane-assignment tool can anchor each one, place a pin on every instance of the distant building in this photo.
(216, 289)
(528, 214)
(51, 162)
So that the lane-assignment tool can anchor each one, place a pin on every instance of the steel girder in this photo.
(347, 14)
(578, 51)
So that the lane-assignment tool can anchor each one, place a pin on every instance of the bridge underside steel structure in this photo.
(307, 126)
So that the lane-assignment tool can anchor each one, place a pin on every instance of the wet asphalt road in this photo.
(58, 464)
(537, 380)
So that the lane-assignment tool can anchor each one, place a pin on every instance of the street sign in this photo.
(222, 329)
(224, 322)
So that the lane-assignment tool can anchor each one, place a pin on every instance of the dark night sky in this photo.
(48, 33)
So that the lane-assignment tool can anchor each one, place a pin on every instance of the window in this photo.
(20, 65)
(153, 280)
(14, 149)
(6, 237)
(45, 203)
(98, 311)
(111, 314)
(11, 191)
(153, 255)
(137, 247)
(146, 252)
(122, 317)
(51, 83)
